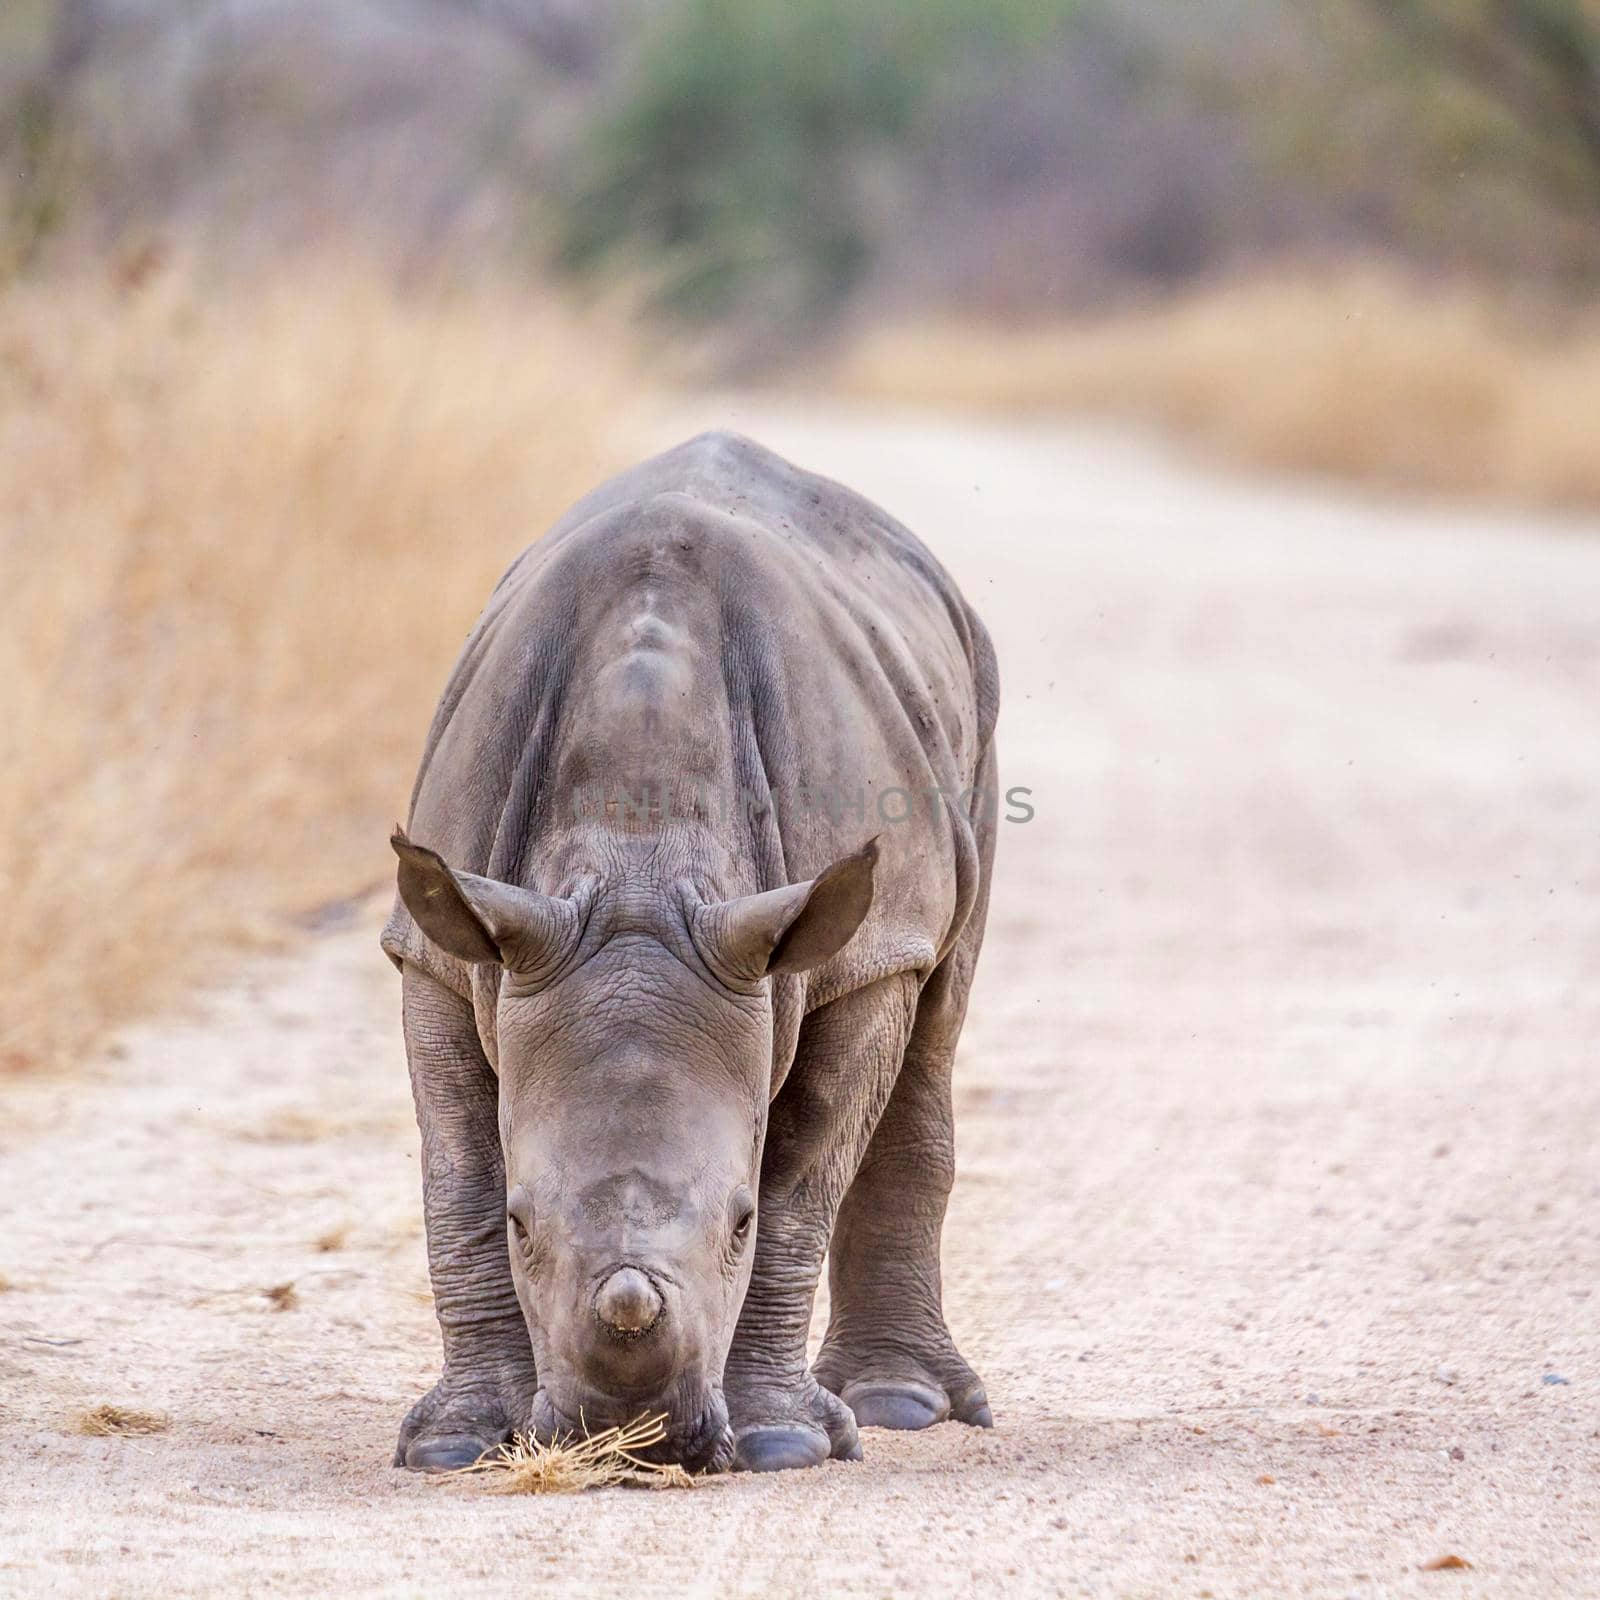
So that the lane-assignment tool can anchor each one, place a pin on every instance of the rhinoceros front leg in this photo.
(888, 1354)
(488, 1383)
(820, 1124)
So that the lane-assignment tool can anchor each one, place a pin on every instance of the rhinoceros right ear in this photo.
(477, 918)
(791, 929)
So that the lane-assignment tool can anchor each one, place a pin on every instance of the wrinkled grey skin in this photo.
(668, 1058)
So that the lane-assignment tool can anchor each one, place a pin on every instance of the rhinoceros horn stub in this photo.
(479, 919)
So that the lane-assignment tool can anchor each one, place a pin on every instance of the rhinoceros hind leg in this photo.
(844, 1069)
(888, 1354)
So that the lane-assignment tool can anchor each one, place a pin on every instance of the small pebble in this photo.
(1446, 1374)
(1554, 1377)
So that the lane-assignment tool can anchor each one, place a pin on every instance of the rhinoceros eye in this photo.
(743, 1211)
(519, 1213)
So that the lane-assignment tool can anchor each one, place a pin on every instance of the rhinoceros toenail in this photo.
(779, 1450)
(447, 1454)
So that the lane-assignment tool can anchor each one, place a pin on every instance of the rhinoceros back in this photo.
(719, 619)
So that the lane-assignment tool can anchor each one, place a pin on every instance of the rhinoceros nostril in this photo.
(627, 1301)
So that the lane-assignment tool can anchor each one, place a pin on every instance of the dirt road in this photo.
(1277, 1233)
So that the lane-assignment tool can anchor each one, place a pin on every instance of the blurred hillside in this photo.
(776, 165)
(252, 127)
(283, 381)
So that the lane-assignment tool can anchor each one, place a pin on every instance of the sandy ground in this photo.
(1278, 1226)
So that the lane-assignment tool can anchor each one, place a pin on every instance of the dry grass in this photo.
(282, 1296)
(106, 1421)
(1358, 375)
(599, 1461)
(243, 532)
(292, 1127)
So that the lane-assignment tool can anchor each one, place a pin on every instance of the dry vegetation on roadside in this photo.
(108, 1421)
(1358, 375)
(243, 532)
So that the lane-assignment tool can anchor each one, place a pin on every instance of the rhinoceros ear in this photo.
(477, 918)
(790, 929)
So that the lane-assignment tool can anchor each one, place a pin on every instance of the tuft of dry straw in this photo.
(570, 1465)
(105, 1421)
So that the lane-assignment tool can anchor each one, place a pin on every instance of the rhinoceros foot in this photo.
(888, 1391)
(908, 1406)
(777, 1428)
(449, 1427)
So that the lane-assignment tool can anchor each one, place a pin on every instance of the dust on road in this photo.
(1277, 1229)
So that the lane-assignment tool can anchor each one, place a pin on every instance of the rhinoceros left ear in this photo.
(477, 918)
(790, 929)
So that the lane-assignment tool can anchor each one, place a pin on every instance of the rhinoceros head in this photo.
(634, 1031)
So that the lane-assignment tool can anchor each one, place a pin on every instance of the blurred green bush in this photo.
(735, 162)
(763, 160)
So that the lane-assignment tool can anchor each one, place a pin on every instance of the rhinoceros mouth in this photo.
(705, 1445)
